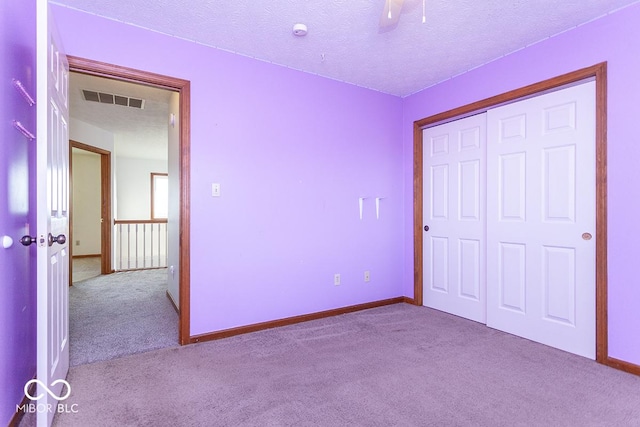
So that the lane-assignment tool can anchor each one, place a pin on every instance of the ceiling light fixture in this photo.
(392, 11)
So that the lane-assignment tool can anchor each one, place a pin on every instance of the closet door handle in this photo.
(426, 228)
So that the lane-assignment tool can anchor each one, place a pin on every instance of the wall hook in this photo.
(361, 203)
(378, 207)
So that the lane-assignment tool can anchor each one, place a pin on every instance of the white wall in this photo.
(173, 272)
(85, 133)
(133, 186)
(86, 203)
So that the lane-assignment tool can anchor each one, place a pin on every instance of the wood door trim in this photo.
(183, 87)
(599, 72)
(87, 147)
(105, 205)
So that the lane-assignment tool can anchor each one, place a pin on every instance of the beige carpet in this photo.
(85, 268)
(398, 365)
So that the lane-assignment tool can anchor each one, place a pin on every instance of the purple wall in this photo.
(614, 38)
(292, 152)
(17, 314)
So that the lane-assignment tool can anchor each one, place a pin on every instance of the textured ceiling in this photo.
(345, 41)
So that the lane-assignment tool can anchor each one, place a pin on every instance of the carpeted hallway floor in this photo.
(85, 268)
(120, 314)
(398, 365)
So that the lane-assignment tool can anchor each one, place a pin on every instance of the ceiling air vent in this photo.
(136, 103)
(109, 98)
(91, 96)
(106, 98)
(121, 100)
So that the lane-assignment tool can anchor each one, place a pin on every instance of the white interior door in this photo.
(52, 182)
(541, 219)
(454, 212)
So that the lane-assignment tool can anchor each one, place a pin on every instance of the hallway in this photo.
(120, 314)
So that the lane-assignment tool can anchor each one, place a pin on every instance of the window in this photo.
(159, 195)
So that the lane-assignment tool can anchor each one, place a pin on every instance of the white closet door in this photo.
(541, 219)
(454, 211)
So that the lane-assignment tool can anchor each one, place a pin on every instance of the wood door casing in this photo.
(183, 87)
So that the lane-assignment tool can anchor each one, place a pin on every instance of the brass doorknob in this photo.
(59, 239)
(27, 240)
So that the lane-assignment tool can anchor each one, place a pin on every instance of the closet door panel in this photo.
(454, 210)
(541, 219)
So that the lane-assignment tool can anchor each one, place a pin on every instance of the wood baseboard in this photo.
(292, 320)
(614, 363)
(17, 416)
(173, 303)
(622, 365)
(87, 256)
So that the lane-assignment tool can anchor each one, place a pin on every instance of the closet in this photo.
(509, 218)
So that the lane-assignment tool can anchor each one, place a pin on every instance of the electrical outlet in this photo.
(77, 242)
(367, 276)
(336, 279)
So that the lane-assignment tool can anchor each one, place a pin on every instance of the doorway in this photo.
(95, 224)
(180, 270)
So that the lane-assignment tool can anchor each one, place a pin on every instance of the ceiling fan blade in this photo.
(391, 12)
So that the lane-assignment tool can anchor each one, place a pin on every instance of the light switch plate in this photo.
(215, 189)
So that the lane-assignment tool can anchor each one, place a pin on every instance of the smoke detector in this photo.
(300, 30)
